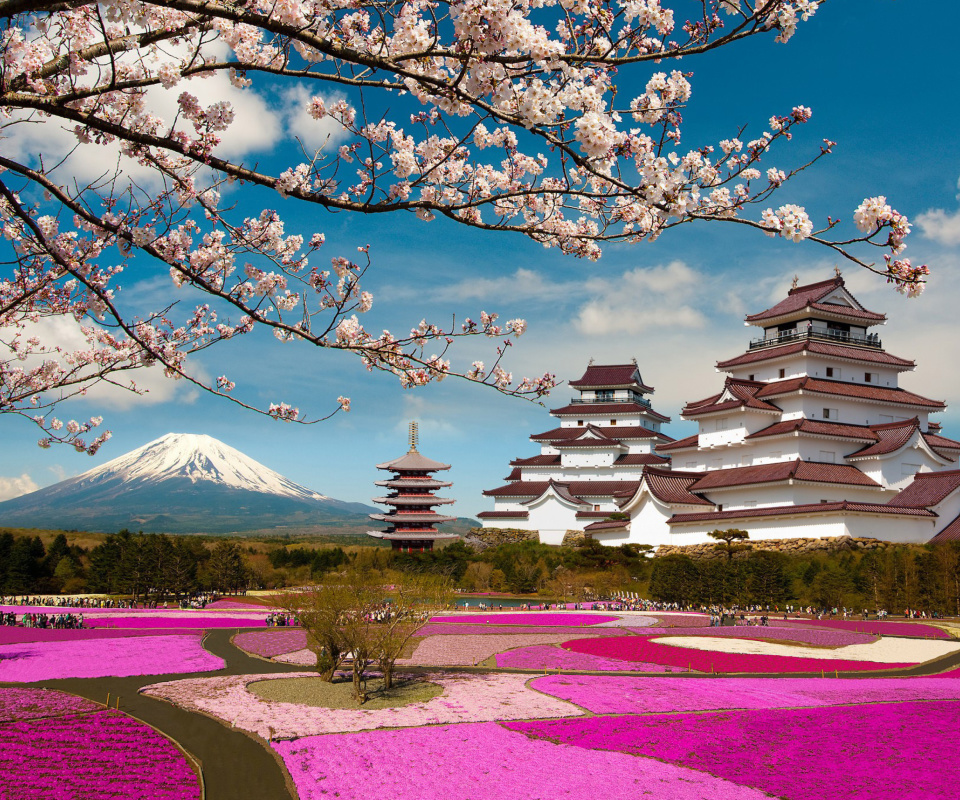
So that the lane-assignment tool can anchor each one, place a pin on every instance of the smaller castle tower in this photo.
(412, 485)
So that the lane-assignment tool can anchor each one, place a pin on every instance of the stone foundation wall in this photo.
(790, 546)
(482, 538)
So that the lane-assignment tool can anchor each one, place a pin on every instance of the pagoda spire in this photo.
(414, 437)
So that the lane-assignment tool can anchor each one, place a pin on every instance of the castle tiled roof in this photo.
(797, 470)
(951, 533)
(578, 489)
(610, 376)
(816, 427)
(927, 489)
(938, 442)
(590, 436)
(819, 348)
(890, 438)
(799, 511)
(607, 410)
(810, 296)
(673, 487)
(503, 514)
(680, 444)
(537, 461)
(607, 525)
(613, 432)
(738, 394)
(863, 391)
(639, 460)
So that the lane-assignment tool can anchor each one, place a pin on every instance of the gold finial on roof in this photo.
(836, 271)
(414, 433)
(796, 282)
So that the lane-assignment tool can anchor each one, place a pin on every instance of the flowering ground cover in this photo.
(643, 648)
(483, 762)
(242, 604)
(885, 751)
(11, 635)
(527, 618)
(465, 698)
(19, 705)
(636, 620)
(445, 628)
(883, 627)
(273, 642)
(630, 620)
(549, 657)
(821, 637)
(469, 650)
(95, 658)
(884, 650)
(299, 658)
(177, 621)
(616, 694)
(100, 755)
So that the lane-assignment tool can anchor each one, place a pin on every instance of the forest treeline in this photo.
(144, 566)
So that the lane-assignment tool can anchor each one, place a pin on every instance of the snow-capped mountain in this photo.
(180, 483)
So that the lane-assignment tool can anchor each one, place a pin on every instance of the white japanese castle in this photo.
(810, 436)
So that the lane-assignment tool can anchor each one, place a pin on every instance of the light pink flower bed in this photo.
(484, 762)
(888, 751)
(469, 650)
(299, 658)
(614, 694)
(544, 657)
(465, 698)
(120, 656)
(273, 642)
(816, 636)
(445, 628)
(883, 627)
(217, 604)
(528, 618)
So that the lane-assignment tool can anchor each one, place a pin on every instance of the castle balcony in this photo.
(638, 401)
(871, 340)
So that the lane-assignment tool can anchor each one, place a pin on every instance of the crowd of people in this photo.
(54, 601)
(63, 621)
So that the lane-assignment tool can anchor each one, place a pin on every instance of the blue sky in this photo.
(874, 73)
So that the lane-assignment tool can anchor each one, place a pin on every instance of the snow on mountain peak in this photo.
(199, 458)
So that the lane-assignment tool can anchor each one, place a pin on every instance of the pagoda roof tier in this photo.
(611, 376)
(422, 500)
(397, 518)
(614, 433)
(853, 391)
(809, 344)
(826, 298)
(585, 408)
(927, 489)
(673, 487)
(687, 443)
(783, 471)
(843, 507)
(503, 514)
(412, 535)
(413, 483)
(736, 394)
(578, 489)
(413, 462)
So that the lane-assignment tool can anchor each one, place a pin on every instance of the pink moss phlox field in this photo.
(273, 642)
(883, 627)
(158, 621)
(101, 755)
(615, 694)
(11, 635)
(527, 618)
(548, 657)
(640, 648)
(299, 658)
(817, 636)
(465, 698)
(468, 650)
(246, 605)
(19, 705)
(443, 628)
(483, 762)
(887, 751)
(97, 658)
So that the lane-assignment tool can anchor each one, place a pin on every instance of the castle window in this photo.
(871, 377)
(833, 372)
(580, 423)
(831, 413)
(782, 373)
(605, 395)
(613, 422)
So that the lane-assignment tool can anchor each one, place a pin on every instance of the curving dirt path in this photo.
(235, 766)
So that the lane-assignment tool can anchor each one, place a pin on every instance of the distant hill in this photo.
(184, 483)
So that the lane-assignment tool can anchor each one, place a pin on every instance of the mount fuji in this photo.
(182, 483)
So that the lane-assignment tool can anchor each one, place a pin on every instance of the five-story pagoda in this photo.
(412, 517)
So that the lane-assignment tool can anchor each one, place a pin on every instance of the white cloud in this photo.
(14, 487)
(643, 299)
(315, 134)
(941, 226)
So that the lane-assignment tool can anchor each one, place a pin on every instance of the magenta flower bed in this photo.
(237, 604)
(528, 618)
(640, 648)
(614, 694)
(818, 636)
(18, 705)
(884, 627)
(272, 643)
(97, 658)
(883, 752)
(549, 657)
(10, 635)
(101, 755)
(176, 622)
(483, 761)
(447, 628)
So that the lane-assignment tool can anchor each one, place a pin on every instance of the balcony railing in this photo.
(639, 400)
(871, 340)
